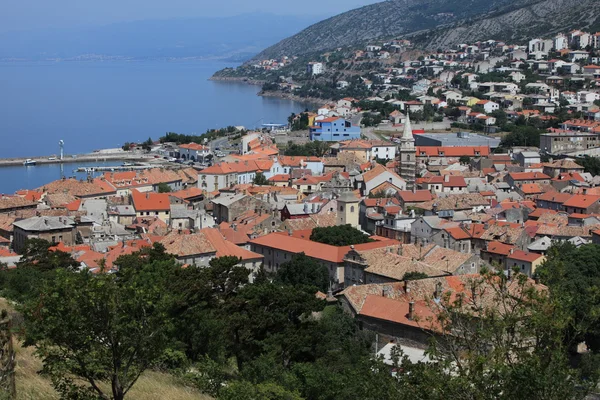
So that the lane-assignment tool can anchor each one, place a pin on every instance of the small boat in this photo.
(128, 164)
(28, 162)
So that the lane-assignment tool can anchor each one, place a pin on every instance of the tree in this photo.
(341, 235)
(303, 270)
(164, 188)
(590, 164)
(413, 276)
(147, 145)
(108, 328)
(573, 275)
(260, 179)
(501, 339)
(380, 194)
(465, 160)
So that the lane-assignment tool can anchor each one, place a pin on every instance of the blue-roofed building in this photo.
(333, 130)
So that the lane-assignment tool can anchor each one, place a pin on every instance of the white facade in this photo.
(315, 68)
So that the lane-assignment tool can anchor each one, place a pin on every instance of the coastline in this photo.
(240, 79)
(293, 97)
(270, 93)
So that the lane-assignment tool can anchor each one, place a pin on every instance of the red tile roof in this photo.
(581, 201)
(150, 201)
(499, 248)
(524, 256)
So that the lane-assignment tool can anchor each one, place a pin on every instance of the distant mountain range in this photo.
(238, 37)
(436, 23)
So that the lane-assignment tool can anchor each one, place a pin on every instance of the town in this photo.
(410, 181)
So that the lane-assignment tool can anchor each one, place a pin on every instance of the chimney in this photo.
(289, 232)
(406, 288)
(438, 290)
(147, 195)
(414, 189)
(411, 310)
(400, 250)
(446, 178)
(512, 250)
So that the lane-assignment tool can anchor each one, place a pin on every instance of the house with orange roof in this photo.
(200, 248)
(9, 204)
(552, 200)
(281, 180)
(143, 181)
(407, 310)
(193, 152)
(515, 179)
(443, 184)
(285, 165)
(151, 204)
(370, 180)
(524, 261)
(88, 189)
(582, 204)
(529, 191)
(190, 195)
(280, 247)
(495, 253)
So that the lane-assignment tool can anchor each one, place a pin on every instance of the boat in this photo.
(28, 162)
(128, 164)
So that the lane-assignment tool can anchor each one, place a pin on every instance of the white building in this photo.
(315, 68)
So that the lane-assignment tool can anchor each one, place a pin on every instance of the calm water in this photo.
(92, 105)
(32, 177)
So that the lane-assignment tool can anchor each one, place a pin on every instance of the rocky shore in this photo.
(289, 96)
(241, 79)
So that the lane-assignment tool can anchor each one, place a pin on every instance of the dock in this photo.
(114, 168)
(78, 158)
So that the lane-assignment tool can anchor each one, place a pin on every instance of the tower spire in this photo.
(407, 134)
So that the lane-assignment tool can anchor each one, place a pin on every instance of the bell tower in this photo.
(407, 156)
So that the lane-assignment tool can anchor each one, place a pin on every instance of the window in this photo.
(53, 239)
(351, 208)
(341, 208)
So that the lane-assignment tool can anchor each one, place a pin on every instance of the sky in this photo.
(41, 14)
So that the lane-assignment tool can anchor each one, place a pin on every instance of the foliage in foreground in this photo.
(276, 340)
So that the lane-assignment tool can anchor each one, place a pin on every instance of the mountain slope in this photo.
(446, 21)
(542, 18)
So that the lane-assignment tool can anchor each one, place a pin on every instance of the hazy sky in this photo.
(32, 14)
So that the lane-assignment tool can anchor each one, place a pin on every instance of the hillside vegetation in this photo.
(439, 23)
(33, 386)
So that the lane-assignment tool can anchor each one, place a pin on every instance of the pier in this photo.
(115, 168)
(90, 157)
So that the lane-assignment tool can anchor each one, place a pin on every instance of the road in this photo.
(219, 142)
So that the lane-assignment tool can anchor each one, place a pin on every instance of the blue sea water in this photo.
(92, 105)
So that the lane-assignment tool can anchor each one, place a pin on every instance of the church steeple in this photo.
(407, 155)
(407, 134)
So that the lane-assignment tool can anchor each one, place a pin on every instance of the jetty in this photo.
(78, 158)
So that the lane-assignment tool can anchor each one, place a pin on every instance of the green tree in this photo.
(107, 328)
(303, 270)
(413, 276)
(380, 194)
(147, 145)
(341, 235)
(260, 179)
(573, 275)
(502, 339)
(164, 188)
(465, 160)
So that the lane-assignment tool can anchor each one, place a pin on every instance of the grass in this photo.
(151, 385)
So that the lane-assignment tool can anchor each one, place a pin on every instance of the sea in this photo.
(94, 105)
